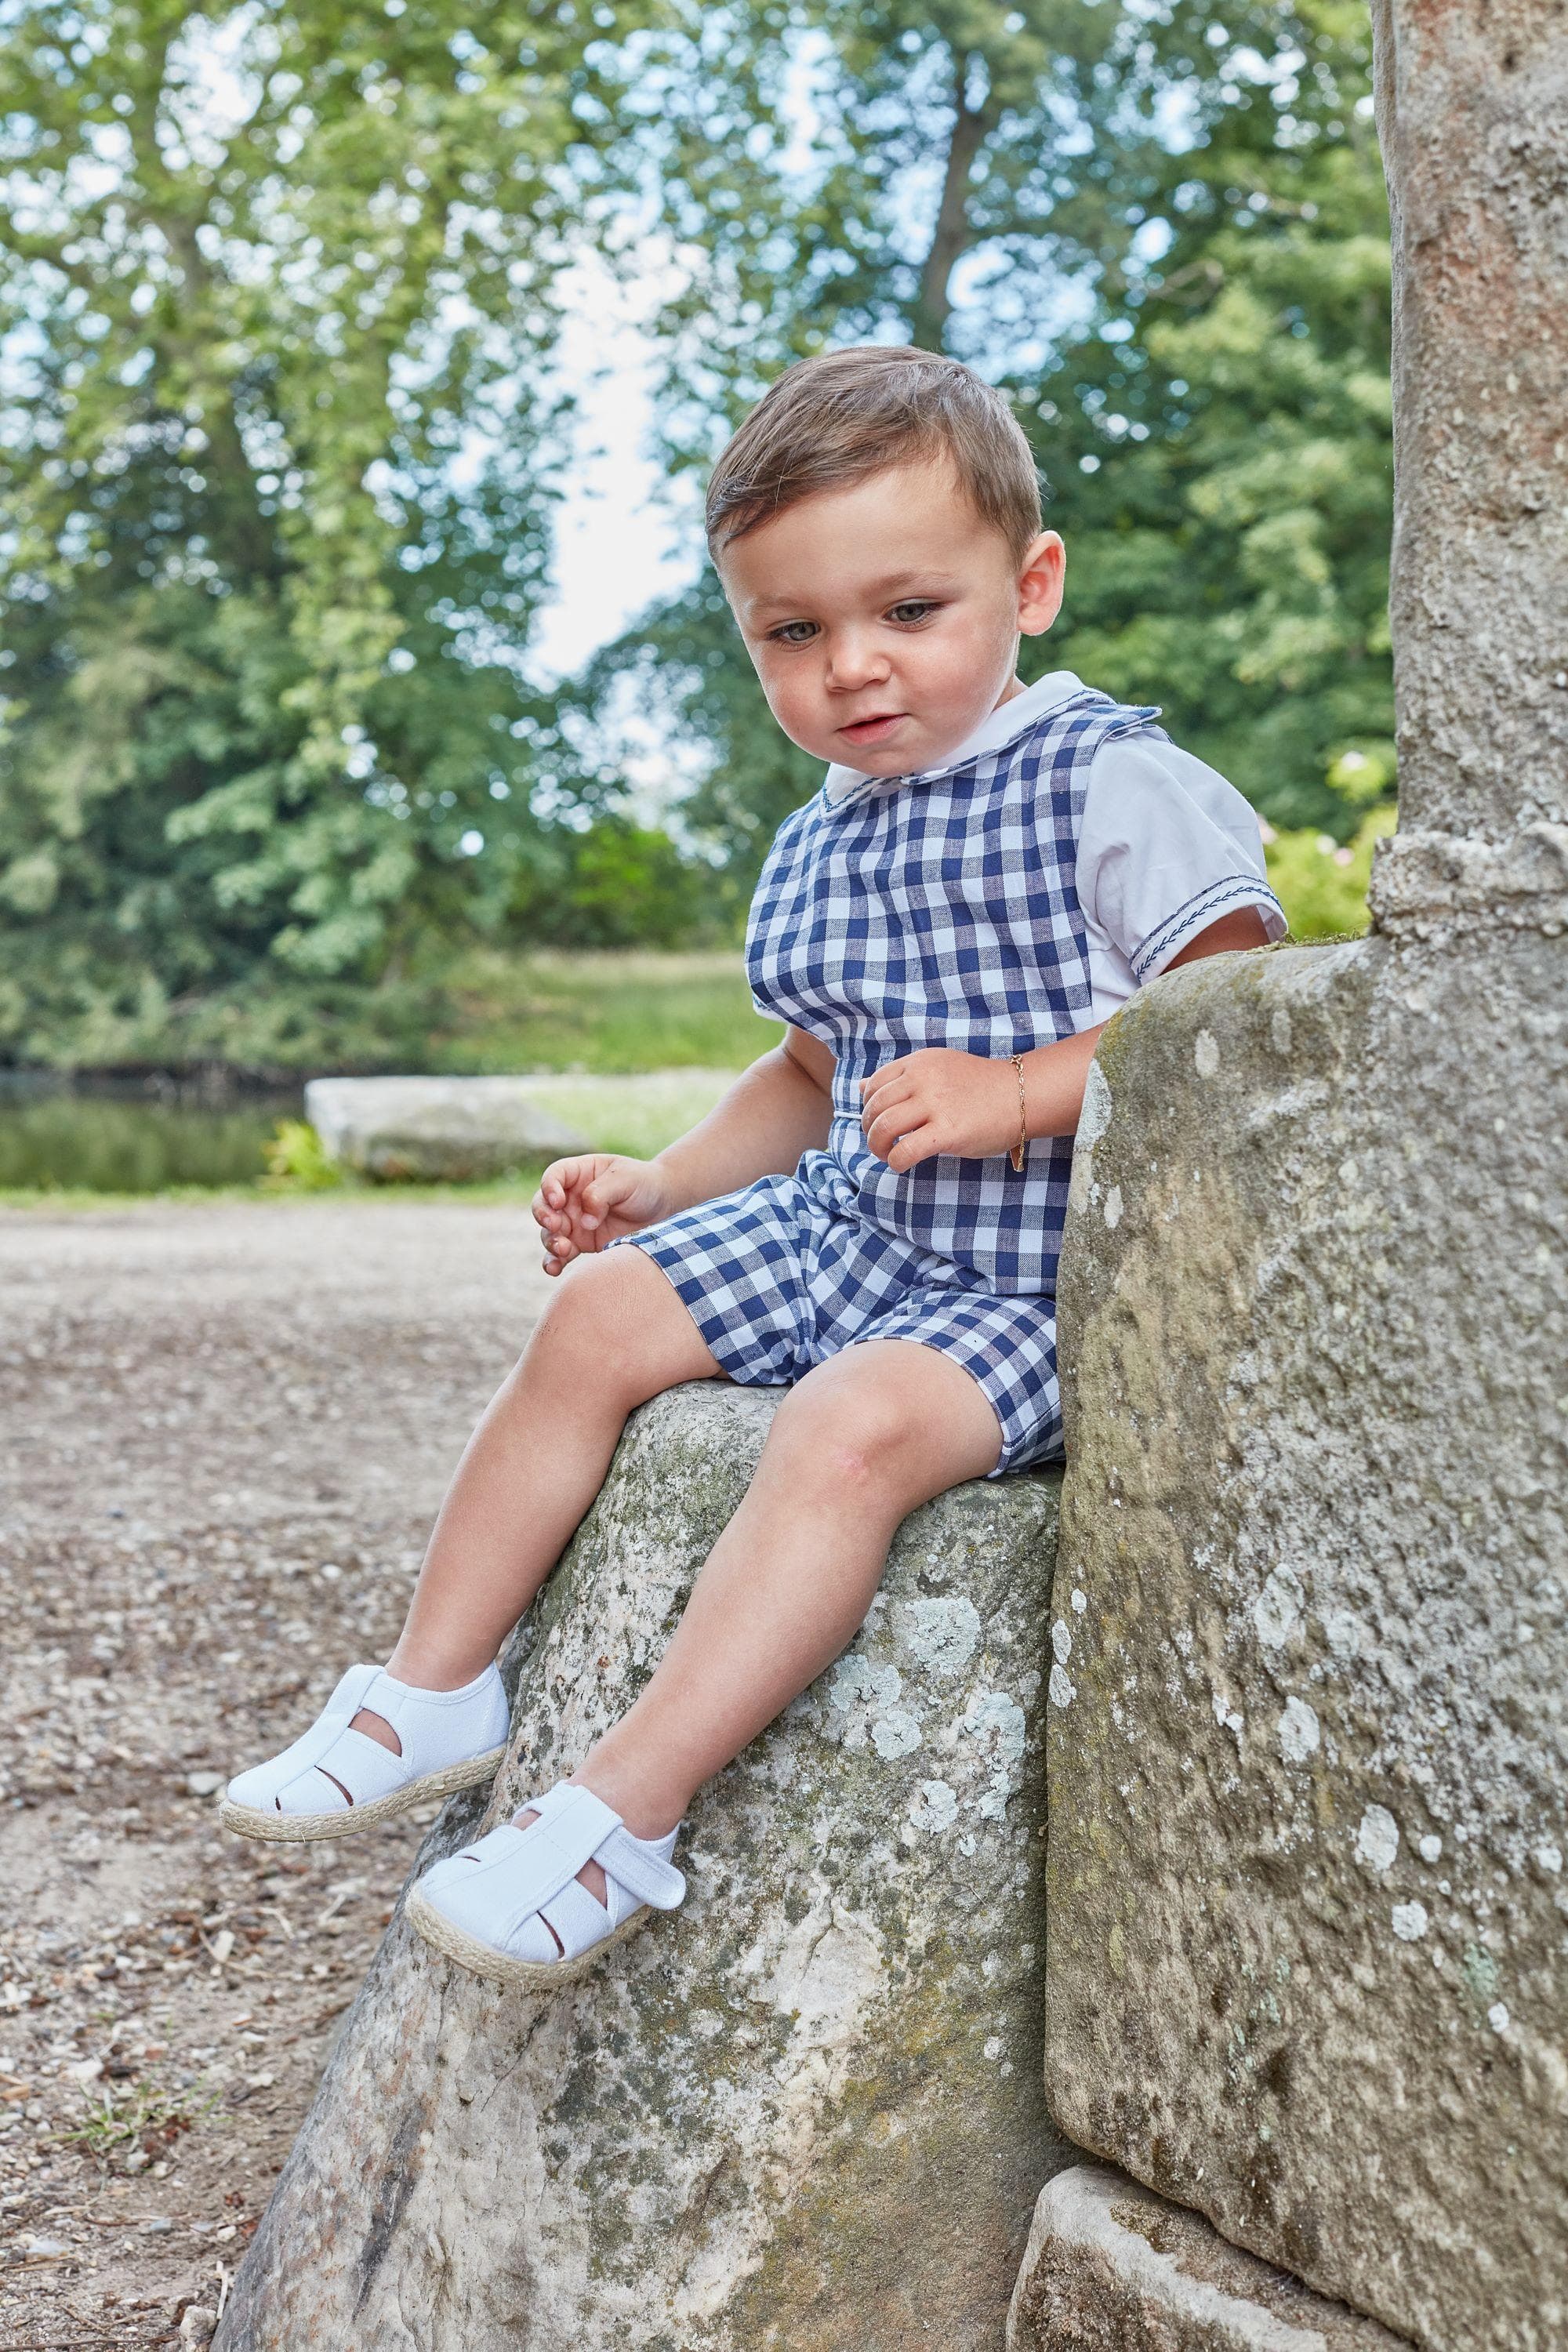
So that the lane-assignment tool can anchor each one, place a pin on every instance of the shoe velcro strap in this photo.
(554, 1848)
(624, 1858)
(350, 1695)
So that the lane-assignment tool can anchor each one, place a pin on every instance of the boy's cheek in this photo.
(802, 716)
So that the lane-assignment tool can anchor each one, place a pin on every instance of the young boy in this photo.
(872, 1214)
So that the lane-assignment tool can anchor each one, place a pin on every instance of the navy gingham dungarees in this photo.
(940, 909)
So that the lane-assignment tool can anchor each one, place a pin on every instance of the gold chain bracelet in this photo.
(1017, 1154)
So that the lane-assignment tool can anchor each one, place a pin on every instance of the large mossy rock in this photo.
(1308, 1967)
(806, 2111)
(1309, 1916)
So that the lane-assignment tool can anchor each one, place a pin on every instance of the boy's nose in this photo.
(854, 661)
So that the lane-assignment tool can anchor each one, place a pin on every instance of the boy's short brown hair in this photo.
(832, 420)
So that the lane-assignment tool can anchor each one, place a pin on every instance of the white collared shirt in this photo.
(1165, 846)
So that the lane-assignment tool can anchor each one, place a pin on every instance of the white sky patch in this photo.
(621, 539)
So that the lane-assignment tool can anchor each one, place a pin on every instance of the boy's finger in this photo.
(883, 1100)
(902, 1119)
(911, 1149)
(887, 1070)
(605, 1193)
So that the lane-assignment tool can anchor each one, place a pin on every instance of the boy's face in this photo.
(884, 619)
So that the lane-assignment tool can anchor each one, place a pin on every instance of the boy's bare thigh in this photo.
(889, 1414)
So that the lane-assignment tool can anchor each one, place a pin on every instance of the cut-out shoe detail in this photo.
(512, 1907)
(334, 1780)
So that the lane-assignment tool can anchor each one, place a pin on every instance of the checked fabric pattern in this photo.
(944, 911)
(783, 1276)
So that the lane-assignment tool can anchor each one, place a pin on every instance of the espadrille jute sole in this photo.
(305, 1829)
(500, 1968)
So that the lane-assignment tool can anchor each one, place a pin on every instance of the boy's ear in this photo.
(1040, 579)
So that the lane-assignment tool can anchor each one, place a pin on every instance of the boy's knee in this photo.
(592, 1314)
(845, 1435)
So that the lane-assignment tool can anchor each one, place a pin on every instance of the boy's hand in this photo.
(960, 1104)
(584, 1205)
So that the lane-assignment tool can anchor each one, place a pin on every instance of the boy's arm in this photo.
(965, 1106)
(779, 1107)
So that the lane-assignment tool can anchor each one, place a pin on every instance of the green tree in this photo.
(618, 884)
(275, 289)
(1219, 446)
(1167, 231)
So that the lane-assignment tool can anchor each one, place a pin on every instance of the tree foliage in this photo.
(274, 291)
(1219, 445)
(1191, 203)
(279, 292)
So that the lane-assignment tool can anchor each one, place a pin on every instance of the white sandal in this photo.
(491, 1906)
(334, 1782)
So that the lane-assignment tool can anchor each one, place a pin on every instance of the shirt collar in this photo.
(1005, 725)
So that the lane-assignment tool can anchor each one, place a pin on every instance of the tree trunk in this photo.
(972, 126)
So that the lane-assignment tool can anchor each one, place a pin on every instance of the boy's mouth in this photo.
(872, 730)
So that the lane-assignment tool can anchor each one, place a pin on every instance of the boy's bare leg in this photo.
(853, 1449)
(614, 1334)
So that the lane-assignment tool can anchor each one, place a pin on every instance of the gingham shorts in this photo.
(786, 1273)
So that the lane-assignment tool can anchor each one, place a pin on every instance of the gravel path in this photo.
(226, 1430)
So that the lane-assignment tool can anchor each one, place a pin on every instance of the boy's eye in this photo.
(794, 633)
(915, 608)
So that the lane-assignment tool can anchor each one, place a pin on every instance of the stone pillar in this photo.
(1307, 1957)
(1473, 117)
(806, 2111)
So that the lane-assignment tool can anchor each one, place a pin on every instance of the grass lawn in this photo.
(601, 1013)
(637, 1047)
(514, 1190)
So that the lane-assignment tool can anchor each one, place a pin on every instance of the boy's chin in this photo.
(909, 753)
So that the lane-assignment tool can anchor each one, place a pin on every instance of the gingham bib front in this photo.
(942, 909)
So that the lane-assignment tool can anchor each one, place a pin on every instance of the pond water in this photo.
(133, 1135)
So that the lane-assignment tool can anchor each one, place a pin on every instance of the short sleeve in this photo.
(1166, 846)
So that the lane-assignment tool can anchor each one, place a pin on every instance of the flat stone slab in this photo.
(446, 1130)
(436, 1129)
(806, 2111)
(1308, 1958)
(1111, 2267)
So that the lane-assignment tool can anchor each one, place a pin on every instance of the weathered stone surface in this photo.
(438, 1129)
(1307, 1905)
(1111, 2268)
(806, 2111)
(1473, 118)
(1309, 1916)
